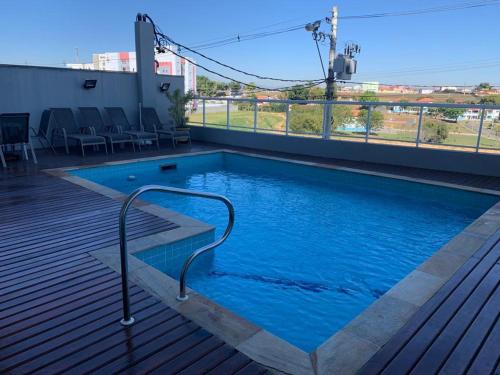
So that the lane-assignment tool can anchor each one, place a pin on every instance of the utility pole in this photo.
(331, 90)
(331, 93)
(346, 64)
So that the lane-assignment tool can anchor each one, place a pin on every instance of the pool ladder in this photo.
(127, 317)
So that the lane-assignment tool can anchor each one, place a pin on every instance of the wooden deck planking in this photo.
(447, 334)
(60, 307)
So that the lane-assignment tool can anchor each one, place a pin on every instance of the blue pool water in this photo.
(311, 247)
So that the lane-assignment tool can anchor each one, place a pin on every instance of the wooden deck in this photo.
(59, 307)
(457, 331)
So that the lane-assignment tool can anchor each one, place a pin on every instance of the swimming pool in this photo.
(312, 247)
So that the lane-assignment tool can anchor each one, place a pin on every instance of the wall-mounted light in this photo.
(90, 84)
(164, 86)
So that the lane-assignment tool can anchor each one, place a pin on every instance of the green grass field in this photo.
(244, 119)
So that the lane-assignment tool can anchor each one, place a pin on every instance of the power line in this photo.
(236, 69)
(162, 39)
(320, 58)
(236, 38)
(437, 9)
(232, 35)
(281, 89)
(241, 38)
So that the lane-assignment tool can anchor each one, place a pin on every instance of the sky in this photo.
(452, 48)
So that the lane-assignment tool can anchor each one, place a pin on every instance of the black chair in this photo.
(119, 119)
(14, 130)
(66, 127)
(153, 124)
(92, 118)
(43, 131)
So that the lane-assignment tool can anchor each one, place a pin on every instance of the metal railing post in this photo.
(127, 317)
(204, 113)
(481, 122)
(255, 109)
(368, 123)
(227, 114)
(419, 126)
(324, 124)
(287, 118)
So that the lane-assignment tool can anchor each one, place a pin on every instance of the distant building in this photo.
(425, 91)
(403, 109)
(395, 89)
(86, 66)
(115, 61)
(475, 114)
(448, 88)
(166, 63)
(170, 64)
(370, 86)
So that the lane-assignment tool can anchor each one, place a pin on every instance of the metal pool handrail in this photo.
(127, 317)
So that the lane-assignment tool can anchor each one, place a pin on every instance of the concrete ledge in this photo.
(444, 160)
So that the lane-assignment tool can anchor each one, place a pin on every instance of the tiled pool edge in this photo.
(350, 348)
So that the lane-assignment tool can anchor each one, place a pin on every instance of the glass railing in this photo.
(460, 127)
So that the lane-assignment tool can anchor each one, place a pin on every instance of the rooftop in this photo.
(61, 305)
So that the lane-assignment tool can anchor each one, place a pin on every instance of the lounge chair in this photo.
(43, 131)
(120, 121)
(92, 118)
(14, 130)
(67, 128)
(152, 123)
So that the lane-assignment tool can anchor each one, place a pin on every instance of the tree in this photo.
(483, 86)
(221, 86)
(435, 131)
(205, 86)
(306, 119)
(235, 87)
(249, 88)
(342, 114)
(368, 96)
(177, 109)
(316, 93)
(246, 106)
(376, 119)
(298, 92)
(451, 113)
(490, 99)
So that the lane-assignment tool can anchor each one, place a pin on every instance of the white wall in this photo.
(34, 89)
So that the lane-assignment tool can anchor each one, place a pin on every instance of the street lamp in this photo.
(313, 26)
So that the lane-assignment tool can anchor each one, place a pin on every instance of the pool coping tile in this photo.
(349, 348)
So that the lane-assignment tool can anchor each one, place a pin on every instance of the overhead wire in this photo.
(236, 38)
(283, 89)
(163, 40)
(236, 69)
(437, 9)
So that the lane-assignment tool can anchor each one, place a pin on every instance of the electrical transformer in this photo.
(344, 66)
